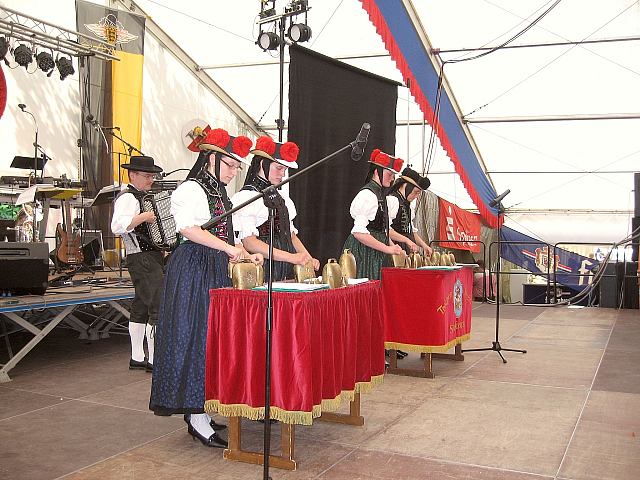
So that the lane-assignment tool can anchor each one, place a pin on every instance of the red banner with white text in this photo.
(458, 228)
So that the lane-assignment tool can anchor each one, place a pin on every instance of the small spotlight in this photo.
(299, 32)
(268, 41)
(65, 67)
(4, 49)
(45, 62)
(22, 55)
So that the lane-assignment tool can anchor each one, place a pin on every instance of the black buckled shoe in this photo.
(214, 441)
(136, 365)
(400, 354)
(217, 426)
(149, 368)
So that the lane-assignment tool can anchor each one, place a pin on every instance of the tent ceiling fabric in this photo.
(596, 78)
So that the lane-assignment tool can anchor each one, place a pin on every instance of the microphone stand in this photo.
(269, 317)
(35, 166)
(495, 345)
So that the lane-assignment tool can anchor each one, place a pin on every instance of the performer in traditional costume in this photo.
(198, 264)
(404, 191)
(145, 262)
(269, 165)
(369, 239)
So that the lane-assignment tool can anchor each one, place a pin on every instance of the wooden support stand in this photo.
(285, 460)
(427, 370)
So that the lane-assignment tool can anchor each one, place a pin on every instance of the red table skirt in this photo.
(426, 310)
(326, 345)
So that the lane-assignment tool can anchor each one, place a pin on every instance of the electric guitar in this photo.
(69, 246)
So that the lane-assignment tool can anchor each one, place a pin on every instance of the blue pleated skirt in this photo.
(181, 330)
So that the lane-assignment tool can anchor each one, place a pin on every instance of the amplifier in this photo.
(25, 268)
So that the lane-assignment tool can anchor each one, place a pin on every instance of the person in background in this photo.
(404, 191)
(269, 165)
(145, 262)
(199, 264)
(369, 240)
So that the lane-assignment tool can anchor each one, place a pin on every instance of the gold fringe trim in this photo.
(287, 416)
(426, 348)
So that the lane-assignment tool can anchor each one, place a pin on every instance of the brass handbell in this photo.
(348, 264)
(452, 259)
(415, 260)
(332, 274)
(400, 260)
(435, 258)
(304, 272)
(246, 275)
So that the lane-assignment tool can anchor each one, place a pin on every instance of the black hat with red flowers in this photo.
(284, 153)
(219, 140)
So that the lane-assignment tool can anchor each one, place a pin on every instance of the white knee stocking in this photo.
(136, 332)
(151, 333)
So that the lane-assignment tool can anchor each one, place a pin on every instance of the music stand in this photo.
(495, 345)
(28, 163)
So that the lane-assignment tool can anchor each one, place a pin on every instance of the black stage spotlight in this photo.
(4, 49)
(299, 32)
(65, 67)
(268, 41)
(45, 62)
(22, 55)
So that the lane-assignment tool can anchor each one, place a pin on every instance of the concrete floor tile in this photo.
(570, 366)
(66, 437)
(16, 402)
(619, 371)
(606, 445)
(81, 377)
(566, 335)
(516, 427)
(134, 396)
(368, 464)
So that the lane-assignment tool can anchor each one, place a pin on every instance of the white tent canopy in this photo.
(572, 173)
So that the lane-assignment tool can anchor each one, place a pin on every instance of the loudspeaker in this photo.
(635, 240)
(92, 248)
(610, 287)
(628, 275)
(25, 268)
(7, 230)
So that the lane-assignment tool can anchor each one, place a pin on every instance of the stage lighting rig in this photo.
(299, 32)
(45, 62)
(65, 67)
(23, 55)
(268, 41)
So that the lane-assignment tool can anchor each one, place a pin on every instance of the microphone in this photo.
(110, 128)
(496, 201)
(36, 145)
(22, 106)
(360, 143)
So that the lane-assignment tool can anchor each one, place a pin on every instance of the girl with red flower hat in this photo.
(269, 165)
(199, 264)
(369, 240)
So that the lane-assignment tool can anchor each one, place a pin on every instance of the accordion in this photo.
(162, 232)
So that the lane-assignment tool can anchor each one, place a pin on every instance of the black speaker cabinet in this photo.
(628, 277)
(24, 267)
(610, 287)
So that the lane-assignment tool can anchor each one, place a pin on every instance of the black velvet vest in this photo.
(381, 221)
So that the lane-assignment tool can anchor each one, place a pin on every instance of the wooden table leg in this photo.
(235, 452)
(426, 372)
(352, 418)
(456, 355)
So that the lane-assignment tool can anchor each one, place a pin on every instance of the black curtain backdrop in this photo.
(328, 103)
